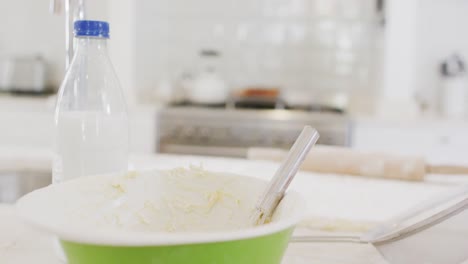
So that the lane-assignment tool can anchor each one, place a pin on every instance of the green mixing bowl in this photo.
(44, 209)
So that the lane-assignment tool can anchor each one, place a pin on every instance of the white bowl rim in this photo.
(138, 238)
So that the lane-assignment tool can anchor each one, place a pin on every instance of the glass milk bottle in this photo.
(91, 123)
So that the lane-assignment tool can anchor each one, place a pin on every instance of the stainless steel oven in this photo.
(230, 132)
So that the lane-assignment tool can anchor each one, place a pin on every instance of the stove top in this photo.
(261, 103)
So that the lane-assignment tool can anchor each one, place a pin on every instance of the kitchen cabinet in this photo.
(439, 141)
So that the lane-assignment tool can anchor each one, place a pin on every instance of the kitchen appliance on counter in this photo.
(206, 85)
(227, 130)
(256, 98)
(454, 86)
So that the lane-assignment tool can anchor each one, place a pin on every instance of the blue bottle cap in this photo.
(91, 28)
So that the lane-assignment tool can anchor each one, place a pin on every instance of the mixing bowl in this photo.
(172, 217)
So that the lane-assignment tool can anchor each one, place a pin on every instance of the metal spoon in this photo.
(283, 176)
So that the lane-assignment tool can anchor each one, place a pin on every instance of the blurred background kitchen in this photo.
(215, 77)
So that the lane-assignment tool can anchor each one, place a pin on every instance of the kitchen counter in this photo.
(329, 196)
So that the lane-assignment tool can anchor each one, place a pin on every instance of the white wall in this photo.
(122, 47)
(293, 44)
(420, 33)
(441, 31)
(27, 28)
(400, 49)
(396, 97)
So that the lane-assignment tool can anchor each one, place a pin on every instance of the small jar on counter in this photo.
(453, 89)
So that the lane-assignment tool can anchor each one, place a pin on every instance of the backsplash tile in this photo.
(291, 44)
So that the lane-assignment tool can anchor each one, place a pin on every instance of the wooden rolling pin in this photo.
(340, 160)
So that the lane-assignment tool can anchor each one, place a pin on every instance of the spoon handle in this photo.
(285, 174)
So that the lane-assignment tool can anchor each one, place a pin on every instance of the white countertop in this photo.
(329, 196)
